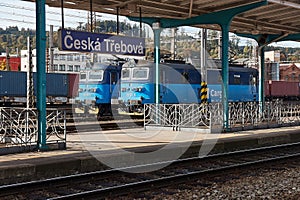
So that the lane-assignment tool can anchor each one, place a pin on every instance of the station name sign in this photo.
(80, 41)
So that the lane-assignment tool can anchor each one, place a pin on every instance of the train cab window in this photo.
(125, 73)
(96, 75)
(141, 73)
(236, 79)
(82, 76)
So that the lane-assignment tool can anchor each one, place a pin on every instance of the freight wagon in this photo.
(282, 90)
(60, 88)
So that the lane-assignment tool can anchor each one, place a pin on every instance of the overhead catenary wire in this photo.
(52, 17)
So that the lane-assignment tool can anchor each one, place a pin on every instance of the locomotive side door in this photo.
(113, 81)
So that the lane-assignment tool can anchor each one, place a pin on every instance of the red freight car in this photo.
(282, 89)
(73, 85)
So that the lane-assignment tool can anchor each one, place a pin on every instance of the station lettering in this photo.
(101, 43)
(216, 93)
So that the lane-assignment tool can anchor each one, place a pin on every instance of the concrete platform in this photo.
(87, 151)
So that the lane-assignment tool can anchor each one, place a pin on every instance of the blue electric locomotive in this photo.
(98, 87)
(181, 83)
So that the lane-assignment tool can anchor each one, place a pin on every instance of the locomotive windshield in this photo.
(96, 75)
(125, 73)
(141, 73)
(82, 76)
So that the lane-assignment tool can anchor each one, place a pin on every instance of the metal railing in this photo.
(19, 127)
(242, 115)
(179, 116)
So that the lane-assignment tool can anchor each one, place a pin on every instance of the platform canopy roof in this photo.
(277, 17)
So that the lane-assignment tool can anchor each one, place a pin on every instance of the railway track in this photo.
(115, 182)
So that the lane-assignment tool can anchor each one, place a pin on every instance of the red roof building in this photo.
(289, 73)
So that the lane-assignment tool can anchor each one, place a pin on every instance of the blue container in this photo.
(13, 84)
(57, 85)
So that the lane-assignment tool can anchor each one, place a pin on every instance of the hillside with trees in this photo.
(16, 40)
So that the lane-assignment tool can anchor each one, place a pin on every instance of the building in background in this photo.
(65, 61)
(289, 72)
(272, 71)
(272, 56)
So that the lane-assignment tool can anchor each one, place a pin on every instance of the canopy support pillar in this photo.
(261, 89)
(225, 72)
(41, 72)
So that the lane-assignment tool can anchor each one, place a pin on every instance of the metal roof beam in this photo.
(196, 2)
(164, 6)
(162, 12)
(260, 10)
(269, 38)
(291, 15)
(273, 13)
(286, 3)
(228, 5)
(276, 15)
(191, 8)
(219, 17)
(274, 26)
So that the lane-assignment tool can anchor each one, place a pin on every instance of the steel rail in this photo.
(12, 188)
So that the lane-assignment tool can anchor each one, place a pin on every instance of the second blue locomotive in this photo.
(98, 87)
(181, 83)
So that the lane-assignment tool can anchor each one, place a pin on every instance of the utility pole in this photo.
(30, 96)
(174, 42)
(7, 59)
(220, 45)
(51, 49)
(203, 54)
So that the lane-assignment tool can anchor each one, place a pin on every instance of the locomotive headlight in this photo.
(92, 90)
(80, 90)
(139, 89)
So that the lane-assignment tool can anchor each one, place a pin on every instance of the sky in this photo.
(22, 14)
